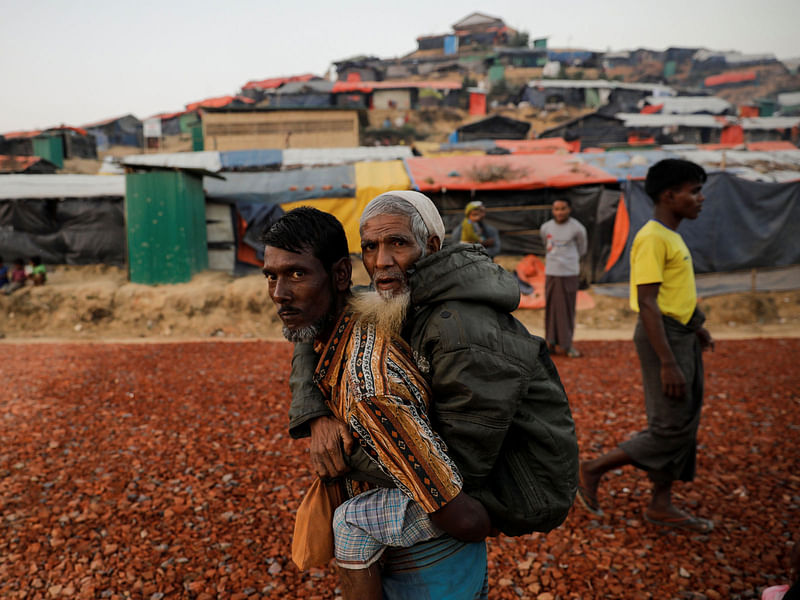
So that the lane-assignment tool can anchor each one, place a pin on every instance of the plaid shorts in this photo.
(365, 525)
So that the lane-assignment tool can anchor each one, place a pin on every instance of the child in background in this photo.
(38, 272)
(3, 274)
(18, 277)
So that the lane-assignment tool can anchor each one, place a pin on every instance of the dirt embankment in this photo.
(98, 302)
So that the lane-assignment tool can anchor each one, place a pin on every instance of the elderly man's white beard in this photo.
(386, 311)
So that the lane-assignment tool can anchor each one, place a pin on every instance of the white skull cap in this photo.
(424, 206)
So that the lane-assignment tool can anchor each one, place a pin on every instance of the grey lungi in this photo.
(667, 449)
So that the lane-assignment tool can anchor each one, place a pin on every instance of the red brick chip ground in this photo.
(165, 471)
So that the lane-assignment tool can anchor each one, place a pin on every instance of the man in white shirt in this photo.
(565, 242)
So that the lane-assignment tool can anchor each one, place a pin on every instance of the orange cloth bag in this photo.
(312, 542)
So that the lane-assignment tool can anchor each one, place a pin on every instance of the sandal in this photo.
(572, 353)
(683, 521)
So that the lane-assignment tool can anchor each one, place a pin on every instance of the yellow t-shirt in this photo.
(659, 255)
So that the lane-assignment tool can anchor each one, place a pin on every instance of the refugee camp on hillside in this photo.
(550, 290)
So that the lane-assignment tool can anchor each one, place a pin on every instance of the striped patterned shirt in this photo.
(371, 382)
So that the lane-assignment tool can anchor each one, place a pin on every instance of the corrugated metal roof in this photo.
(655, 88)
(14, 187)
(310, 157)
(657, 120)
(687, 105)
(208, 161)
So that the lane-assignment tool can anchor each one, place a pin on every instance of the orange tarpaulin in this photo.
(537, 146)
(652, 109)
(531, 270)
(732, 134)
(622, 225)
(771, 146)
(509, 172)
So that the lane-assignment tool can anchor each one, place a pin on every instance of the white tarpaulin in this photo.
(14, 187)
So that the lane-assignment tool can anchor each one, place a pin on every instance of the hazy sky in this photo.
(75, 62)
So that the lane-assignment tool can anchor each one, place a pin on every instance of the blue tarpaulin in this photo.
(743, 225)
(250, 159)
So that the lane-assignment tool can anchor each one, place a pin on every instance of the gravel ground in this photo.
(165, 471)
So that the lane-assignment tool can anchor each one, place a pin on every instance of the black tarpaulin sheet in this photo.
(71, 231)
(518, 215)
(744, 225)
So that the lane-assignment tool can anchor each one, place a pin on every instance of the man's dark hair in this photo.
(19, 262)
(564, 199)
(36, 260)
(308, 229)
(670, 173)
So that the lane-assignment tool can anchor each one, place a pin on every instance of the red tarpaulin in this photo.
(538, 146)
(510, 172)
(729, 78)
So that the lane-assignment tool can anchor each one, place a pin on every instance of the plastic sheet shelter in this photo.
(166, 225)
(372, 179)
(257, 199)
(510, 172)
(743, 225)
(65, 219)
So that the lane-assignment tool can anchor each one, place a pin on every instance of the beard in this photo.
(309, 333)
(385, 310)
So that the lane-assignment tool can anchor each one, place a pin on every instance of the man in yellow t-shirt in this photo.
(669, 340)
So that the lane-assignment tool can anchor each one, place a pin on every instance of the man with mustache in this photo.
(372, 385)
(497, 400)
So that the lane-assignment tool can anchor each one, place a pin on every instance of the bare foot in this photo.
(587, 489)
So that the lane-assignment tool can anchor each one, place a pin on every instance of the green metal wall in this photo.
(50, 148)
(166, 224)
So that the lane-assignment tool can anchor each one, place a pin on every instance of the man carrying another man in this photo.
(497, 400)
(373, 386)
